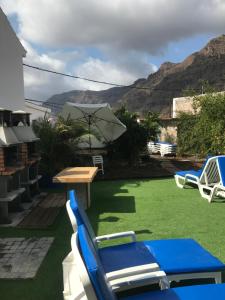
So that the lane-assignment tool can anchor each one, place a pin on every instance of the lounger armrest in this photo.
(192, 176)
(133, 271)
(118, 235)
(139, 279)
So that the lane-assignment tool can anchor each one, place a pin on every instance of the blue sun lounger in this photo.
(197, 292)
(95, 284)
(216, 185)
(190, 176)
(181, 259)
(210, 179)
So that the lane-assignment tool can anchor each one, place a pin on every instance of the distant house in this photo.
(169, 127)
(182, 104)
(11, 67)
(185, 104)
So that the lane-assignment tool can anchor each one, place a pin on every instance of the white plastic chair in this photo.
(98, 161)
(76, 275)
(71, 216)
(212, 181)
(77, 284)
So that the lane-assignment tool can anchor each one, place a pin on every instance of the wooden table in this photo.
(78, 178)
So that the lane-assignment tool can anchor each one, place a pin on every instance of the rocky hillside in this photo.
(157, 91)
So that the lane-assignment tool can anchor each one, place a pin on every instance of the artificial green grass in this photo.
(157, 209)
(154, 209)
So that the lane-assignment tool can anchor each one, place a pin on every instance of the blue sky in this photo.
(116, 41)
(178, 51)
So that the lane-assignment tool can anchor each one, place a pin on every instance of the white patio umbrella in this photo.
(98, 118)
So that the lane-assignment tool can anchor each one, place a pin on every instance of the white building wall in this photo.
(185, 104)
(11, 67)
(182, 104)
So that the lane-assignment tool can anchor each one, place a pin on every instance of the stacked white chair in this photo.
(161, 147)
(98, 162)
(166, 148)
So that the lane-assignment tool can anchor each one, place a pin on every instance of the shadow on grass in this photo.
(109, 219)
(218, 200)
(112, 199)
(116, 204)
(143, 231)
(119, 204)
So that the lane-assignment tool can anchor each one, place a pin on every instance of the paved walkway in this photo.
(20, 258)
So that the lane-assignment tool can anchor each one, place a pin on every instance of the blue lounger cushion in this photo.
(104, 291)
(79, 212)
(183, 256)
(174, 256)
(197, 173)
(93, 265)
(221, 162)
(190, 172)
(197, 292)
(125, 256)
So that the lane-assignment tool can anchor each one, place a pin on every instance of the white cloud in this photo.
(124, 31)
(104, 71)
(141, 25)
(40, 85)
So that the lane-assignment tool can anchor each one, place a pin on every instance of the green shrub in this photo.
(134, 140)
(186, 136)
(203, 132)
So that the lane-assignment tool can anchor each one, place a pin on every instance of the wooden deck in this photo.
(45, 213)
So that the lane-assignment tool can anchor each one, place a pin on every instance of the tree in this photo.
(135, 139)
(189, 92)
(151, 123)
(204, 88)
(211, 122)
(58, 142)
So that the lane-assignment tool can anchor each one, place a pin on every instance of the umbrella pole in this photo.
(89, 131)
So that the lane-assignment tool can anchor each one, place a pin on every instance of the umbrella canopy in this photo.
(99, 118)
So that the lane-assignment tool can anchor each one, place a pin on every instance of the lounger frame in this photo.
(209, 183)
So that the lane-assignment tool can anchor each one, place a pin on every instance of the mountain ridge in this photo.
(156, 92)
